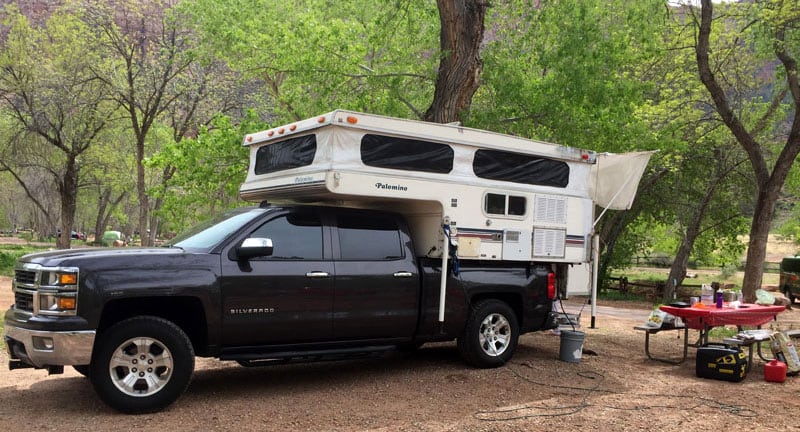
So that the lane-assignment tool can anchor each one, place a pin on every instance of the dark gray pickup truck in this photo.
(261, 286)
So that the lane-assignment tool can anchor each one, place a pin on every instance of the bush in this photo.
(660, 259)
(728, 271)
(9, 254)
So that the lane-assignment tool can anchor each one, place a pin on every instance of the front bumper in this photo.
(49, 348)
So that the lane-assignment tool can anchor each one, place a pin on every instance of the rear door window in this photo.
(368, 238)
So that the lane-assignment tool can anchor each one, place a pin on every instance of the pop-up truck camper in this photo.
(496, 197)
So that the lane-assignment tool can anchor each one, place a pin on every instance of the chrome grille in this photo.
(25, 281)
(23, 301)
(25, 277)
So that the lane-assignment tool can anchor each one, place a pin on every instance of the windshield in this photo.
(211, 233)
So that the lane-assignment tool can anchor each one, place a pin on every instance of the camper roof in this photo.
(444, 133)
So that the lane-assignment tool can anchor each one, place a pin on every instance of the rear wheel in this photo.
(490, 336)
(142, 365)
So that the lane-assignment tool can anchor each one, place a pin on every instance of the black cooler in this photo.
(718, 361)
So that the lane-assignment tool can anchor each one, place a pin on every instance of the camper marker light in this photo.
(249, 138)
(270, 133)
(352, 119)
(281, 131)
(321, 119)
(293, 127)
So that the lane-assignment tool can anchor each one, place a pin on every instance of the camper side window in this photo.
(520, 168)
(406, 154)
(504, 205)
(292, 153)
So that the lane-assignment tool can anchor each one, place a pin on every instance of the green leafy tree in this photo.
(771, 29)
(55, 104)
(208, 171)
(361, 55)
(150, 50)
(109, 179)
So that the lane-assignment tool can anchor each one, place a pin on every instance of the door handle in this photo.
(403, 274)
(317, 274)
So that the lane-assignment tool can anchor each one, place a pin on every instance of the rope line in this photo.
(541, 410)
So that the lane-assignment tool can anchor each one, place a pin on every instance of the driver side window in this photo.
(294, 237)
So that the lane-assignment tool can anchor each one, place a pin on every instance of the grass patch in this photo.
(10, 253)
(613, 295)
(718, 333)
(698, 277)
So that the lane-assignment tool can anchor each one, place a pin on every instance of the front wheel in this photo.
(490, 335)
(142, 365)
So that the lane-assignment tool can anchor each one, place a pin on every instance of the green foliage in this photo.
(607, 75)
(566, 72)
(612, 295)
(313, 56)
(728, 271)
(208, 171)
(9, 254)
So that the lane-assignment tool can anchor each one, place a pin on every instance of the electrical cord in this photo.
(534, 410)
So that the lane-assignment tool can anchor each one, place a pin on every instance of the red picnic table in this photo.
(704, 318)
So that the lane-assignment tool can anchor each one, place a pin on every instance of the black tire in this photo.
(142, 365)
(82, 369)
(490, 335)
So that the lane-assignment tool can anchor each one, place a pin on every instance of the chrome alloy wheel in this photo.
(494, 334)
(141, 366)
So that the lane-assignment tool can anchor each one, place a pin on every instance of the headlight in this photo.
(57, 303)
(57, 291)
(59, 278)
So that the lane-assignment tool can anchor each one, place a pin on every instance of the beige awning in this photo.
(615, 178)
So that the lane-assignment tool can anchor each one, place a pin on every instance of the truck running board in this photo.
(278, 358)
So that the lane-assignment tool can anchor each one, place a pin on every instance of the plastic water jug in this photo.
(707, 295)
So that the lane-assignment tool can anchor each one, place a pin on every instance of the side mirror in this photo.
(254, 247)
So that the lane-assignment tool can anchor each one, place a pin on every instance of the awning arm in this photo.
(619, 191)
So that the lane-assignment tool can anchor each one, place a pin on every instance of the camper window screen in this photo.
(406, 154)
(520, 168)
(292, 153)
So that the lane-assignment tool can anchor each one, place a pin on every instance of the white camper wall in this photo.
(579, 280)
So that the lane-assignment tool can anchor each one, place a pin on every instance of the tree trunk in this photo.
(460, 68)
(68, 188)
(678, 270)
(769, 184)
(99, 222)
(141, 190)
(757, 246)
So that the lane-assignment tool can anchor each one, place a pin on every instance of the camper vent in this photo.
(549, 209)
(548, 243)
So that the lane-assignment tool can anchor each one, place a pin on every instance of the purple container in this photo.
(719, 299)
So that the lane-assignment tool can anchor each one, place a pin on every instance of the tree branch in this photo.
(721, 102)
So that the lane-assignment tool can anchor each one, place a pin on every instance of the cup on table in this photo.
(694, 300)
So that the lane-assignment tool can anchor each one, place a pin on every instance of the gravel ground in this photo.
(613, 388)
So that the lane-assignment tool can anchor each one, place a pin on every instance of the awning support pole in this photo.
(445, 256)
(595, 265)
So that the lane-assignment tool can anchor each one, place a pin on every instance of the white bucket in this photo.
(571, 346)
